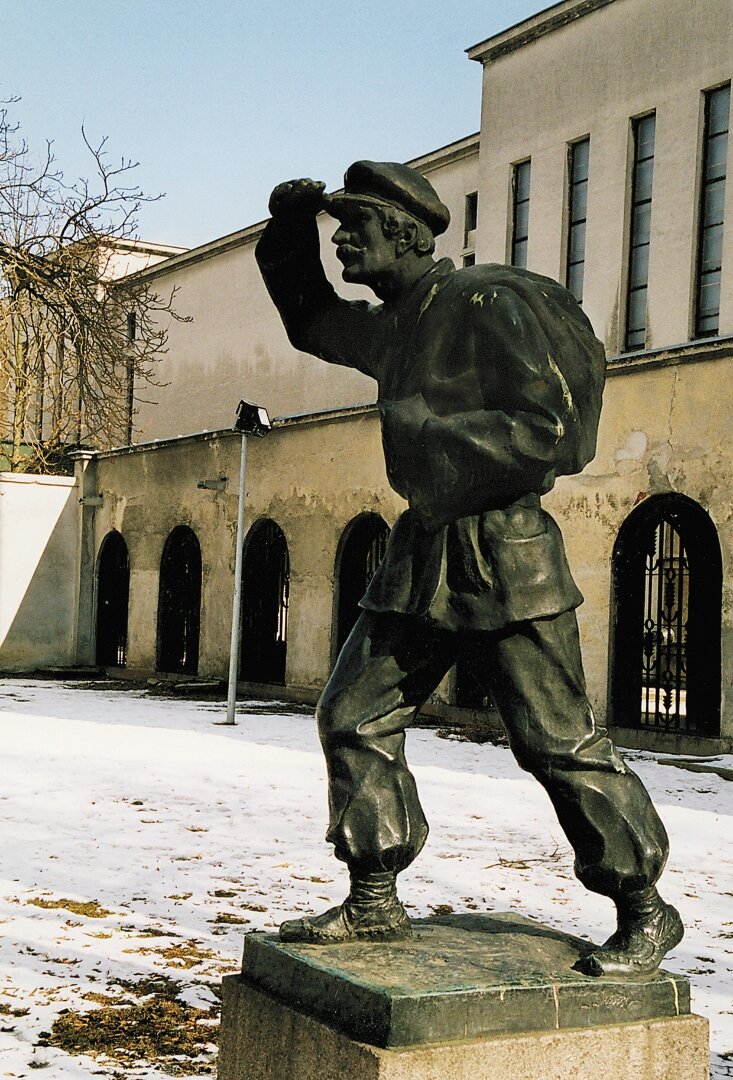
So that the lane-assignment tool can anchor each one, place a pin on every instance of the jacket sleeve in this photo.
(488, 457)
(316, 319)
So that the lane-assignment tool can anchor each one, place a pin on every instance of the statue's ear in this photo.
(407, 239)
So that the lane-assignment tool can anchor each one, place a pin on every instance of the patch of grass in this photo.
(160, 1030)
(91, 908)
(8, 1010)
(159, 985)
(186, 955)
(441, 909)
(231, 920)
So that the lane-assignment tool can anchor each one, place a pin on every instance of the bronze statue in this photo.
(490, 382)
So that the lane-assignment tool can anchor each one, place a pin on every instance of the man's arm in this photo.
(316, 319)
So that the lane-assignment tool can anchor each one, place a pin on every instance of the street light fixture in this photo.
(251, 420)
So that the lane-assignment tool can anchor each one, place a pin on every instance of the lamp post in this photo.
(251, 420)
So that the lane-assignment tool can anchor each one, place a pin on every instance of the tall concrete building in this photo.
(602, 162)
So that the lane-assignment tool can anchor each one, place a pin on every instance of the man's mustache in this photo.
(348, 252)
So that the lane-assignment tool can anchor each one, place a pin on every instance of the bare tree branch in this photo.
(77, 348)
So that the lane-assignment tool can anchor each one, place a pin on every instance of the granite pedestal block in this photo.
(490, 997)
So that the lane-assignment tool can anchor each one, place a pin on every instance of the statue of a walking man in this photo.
(490, 382)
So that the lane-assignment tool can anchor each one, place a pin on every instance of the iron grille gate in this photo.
(179, 604)
(664, 653)
(265, 599)
(113, 592)
(362, 552)
(665, 671)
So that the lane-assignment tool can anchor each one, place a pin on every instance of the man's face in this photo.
(366, 253)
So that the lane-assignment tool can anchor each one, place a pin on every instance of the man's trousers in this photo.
(533, 671)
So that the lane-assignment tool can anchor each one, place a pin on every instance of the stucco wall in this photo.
(39, 519)
(312, 479)
(664, 428)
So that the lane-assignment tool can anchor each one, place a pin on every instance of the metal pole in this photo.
(237, 601)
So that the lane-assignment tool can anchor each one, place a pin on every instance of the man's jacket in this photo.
(490, 383)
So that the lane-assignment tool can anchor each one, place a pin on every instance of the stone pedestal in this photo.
(485, 997)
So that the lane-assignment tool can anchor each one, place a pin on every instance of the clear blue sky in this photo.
(219, 100)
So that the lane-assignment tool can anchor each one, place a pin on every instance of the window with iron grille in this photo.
(712, 204)
(179, 603)
(113, 594)
(520, 213)
(640, 231)
(265, 604)
(361, 550)
(578, 158)
(667, 602)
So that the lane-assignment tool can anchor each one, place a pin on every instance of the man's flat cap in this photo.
(396, 185)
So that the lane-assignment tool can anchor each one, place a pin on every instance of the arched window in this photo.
(113, 594)
(666, 615)
(179, 603)
(265, 596)
(361, 549)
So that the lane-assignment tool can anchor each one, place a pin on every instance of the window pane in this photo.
(579, 206)
(577, 242)
(714, 205)
(719, 110)
(575, 280)
(581, 155)
(639, 270)
(522, 181)
(645, 129)
(712, 249)
(710, 295)
(643, 180)
(717, 157)
(637, 311)
(520, 254)
(641, 224)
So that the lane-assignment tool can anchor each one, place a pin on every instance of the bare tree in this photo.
(76, 346)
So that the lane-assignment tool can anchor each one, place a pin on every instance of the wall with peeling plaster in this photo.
(663, 429)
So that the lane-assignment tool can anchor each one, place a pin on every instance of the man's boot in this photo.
(371, 912)
(647, 929)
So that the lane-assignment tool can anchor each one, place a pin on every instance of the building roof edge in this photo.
(535, 27)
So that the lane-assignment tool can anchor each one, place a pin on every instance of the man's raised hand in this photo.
(296, 198)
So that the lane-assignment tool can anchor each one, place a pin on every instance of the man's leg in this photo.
(535, 676)
(387, 669)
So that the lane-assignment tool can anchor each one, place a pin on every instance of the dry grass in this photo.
(158, 1029)
(90, 908)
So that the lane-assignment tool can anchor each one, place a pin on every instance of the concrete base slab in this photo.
(468, 997)
(262, 1039)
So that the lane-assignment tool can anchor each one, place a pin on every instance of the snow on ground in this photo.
(178, 828)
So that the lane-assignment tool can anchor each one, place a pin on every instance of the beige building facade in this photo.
(602, 162)
(235, 345)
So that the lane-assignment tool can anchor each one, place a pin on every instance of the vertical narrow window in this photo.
(131, 325)
(578, 157)
(640, 231)
(520, 213)
(712, 202)
(470, 219)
